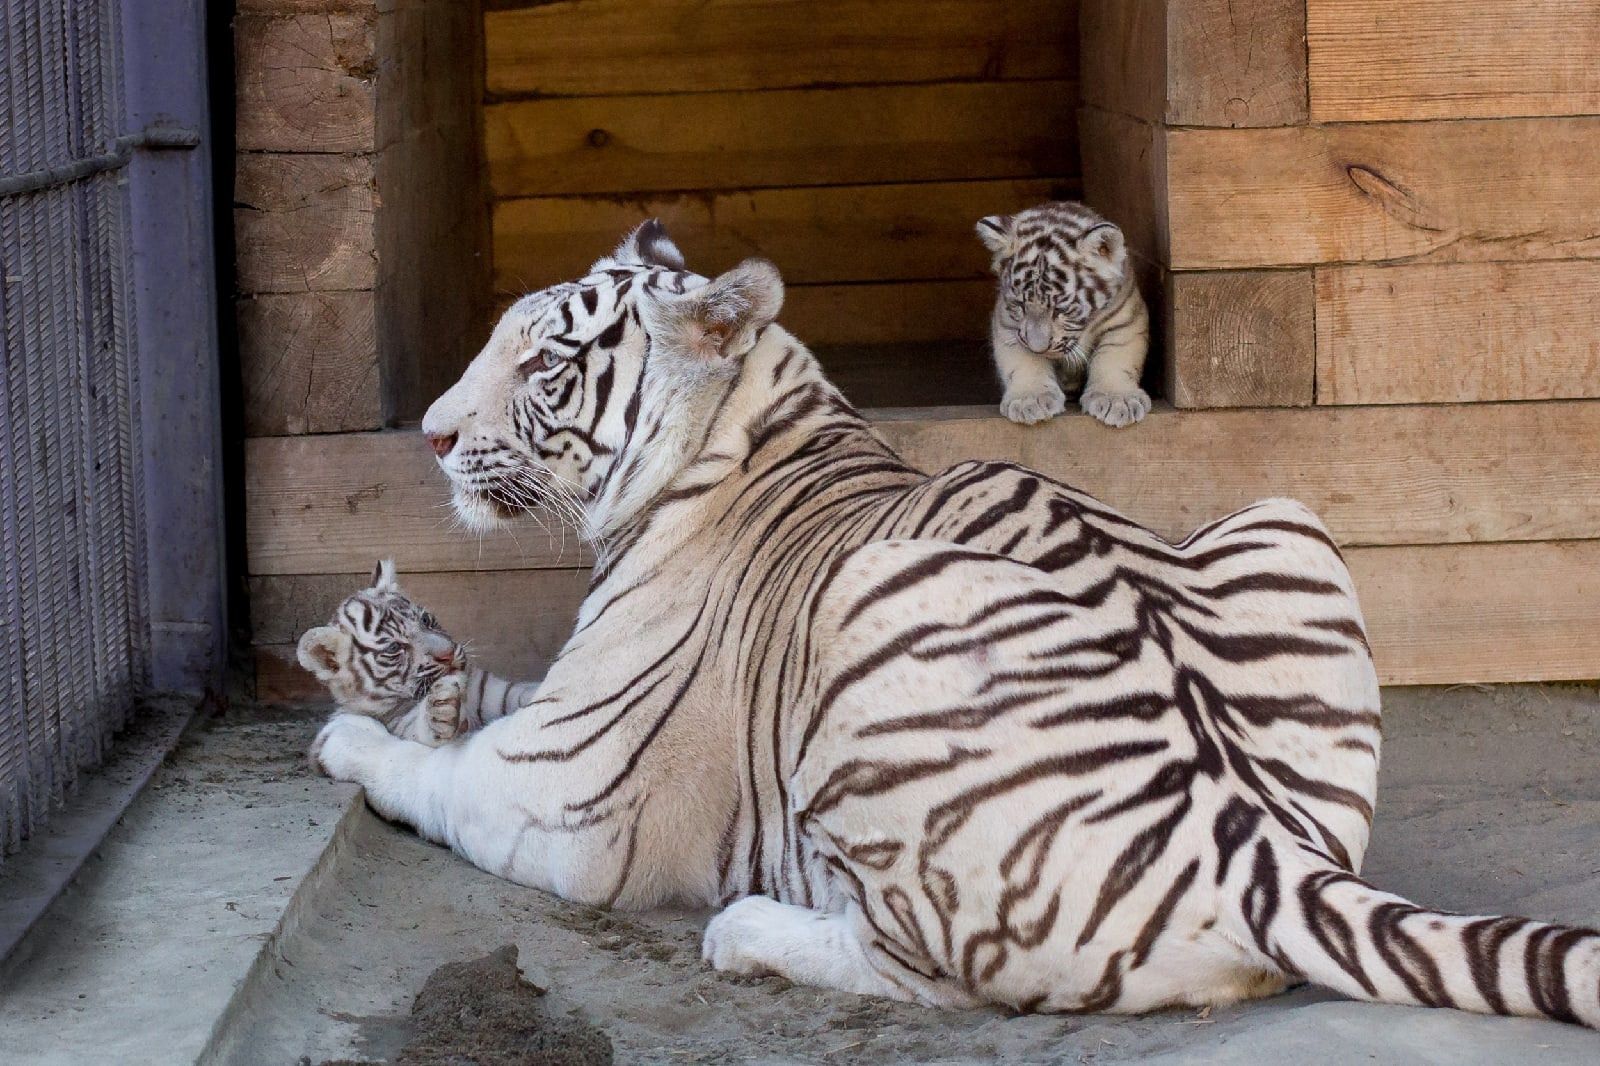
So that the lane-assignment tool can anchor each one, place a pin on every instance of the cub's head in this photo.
(381, 653)
(589, 393)
(1059, 264)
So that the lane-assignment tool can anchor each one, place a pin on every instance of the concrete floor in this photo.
(1489, 803)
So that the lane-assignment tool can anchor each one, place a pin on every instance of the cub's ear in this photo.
(647, 246)
(998, 235)
(323, 650)
(720, 320)
(1104, 242)
(383, 579)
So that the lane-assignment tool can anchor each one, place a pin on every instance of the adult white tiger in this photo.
(965, 738)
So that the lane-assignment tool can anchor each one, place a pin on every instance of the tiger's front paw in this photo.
(1116, 409)
(445, 721)
(1037, 403)
(348, 744)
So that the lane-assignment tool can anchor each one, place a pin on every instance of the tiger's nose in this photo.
(441, 443)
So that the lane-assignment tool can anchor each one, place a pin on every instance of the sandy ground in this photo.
(1490, 803)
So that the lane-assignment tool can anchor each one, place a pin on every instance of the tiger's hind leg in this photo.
(759, 935)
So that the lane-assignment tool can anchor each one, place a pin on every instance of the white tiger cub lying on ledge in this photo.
(385, 657)
(964, 738)
(1067, 313)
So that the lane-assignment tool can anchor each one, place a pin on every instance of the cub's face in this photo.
(381, 652)
(1058, 265)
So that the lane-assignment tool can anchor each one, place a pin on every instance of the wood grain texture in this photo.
(1458, 333)
(832, 234)
(303, 223)
(1125, 177)
(736, 140)
(1439, 191)
(1458, 613)
(1241, 338)
(514, 622)
(603, 47)
(309, 363)
(304, 82)
(333, 504)
(891, 312)
(1124, 56)
(1376, 59)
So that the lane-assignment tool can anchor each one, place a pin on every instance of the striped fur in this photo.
(1067, 312)
(385, 657)
(972, 737)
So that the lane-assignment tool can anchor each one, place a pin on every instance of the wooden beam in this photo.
(832, 234)
(1242, 338)
(604, 47)
(309, 362)
(303, 223)
(1458, 613)
(1512, 189)
(1457, 333)
(734, 140)
(303, 82)
(889, 312)
(1125, 177)
(1123, 44)
(1376, 59)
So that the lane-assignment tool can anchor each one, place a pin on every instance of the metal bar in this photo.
(156, 137)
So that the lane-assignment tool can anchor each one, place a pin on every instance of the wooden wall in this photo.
(854, 142)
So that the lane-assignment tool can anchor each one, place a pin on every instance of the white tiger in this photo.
(964, 738)
(385, 657)
(1068, 309)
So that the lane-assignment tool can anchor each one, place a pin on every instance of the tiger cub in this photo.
(1067, 314)
(385, 657)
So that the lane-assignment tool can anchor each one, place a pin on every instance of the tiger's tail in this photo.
(1325, 924)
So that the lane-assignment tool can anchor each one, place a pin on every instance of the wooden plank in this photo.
(304, 82)
(602, 47)
(333, 504)
(1125, 177)
(309, 363)
(1377, 475)
(1124, 56)
(898, 374)
(832, 234)
(1375, 59)
(1459, 613)
(1241, 338)
(903, 312)
(1439, 191)
(303, 222)
(739, 140)
(1232, 64)
(515, 622)
(1458, 333)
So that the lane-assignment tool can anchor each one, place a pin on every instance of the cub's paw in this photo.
(1036, 404)
(445, 721)
(753, 936)
(1116, 409)
(347, 744)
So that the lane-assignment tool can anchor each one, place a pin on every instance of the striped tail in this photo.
(1334, 929)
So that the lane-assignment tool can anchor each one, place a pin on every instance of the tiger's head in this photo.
(591, 394)
(1059, 264)
(381, 652)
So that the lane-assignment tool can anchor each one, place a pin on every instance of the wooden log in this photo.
(1457, 333)
(1242, 338)
(309, 363)
(1457, 613)
(605, 47)
(734, 140)
(303, 222)
(832, 234)
(1125, 177)
(1197, 62)
(1455, 191)
(303, 82)
(1375, 59)
(331, 505)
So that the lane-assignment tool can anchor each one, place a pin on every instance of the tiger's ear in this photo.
(323, 650)
(722, 319)
(1105, 242)
(383, 579)
(998, 234)
(646, 246)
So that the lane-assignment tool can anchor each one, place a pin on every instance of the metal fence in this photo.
(75, 629)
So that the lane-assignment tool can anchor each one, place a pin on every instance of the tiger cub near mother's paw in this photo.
(1068, 310)
(385, 657)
